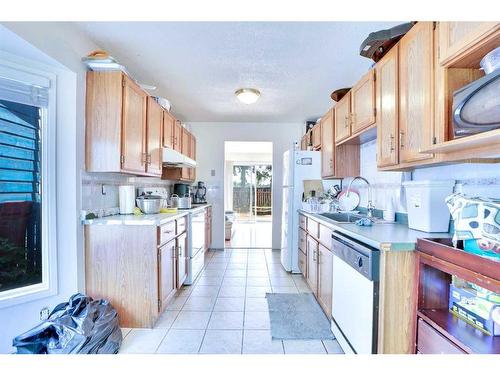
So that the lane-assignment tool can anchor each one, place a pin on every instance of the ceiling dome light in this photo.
(247, 95)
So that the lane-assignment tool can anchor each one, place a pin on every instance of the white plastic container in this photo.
(427, 210)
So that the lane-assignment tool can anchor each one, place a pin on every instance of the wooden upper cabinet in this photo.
(177, 136)
(192, 155)
(185, 142)
(387, 94)
(133, 127)
(325, 279)
(154, 137)
(363, 103)
(343, 118)
(457, 37)
(103, 112)
(327, 145)
(168, 130)
(316, 136)
(416, 92)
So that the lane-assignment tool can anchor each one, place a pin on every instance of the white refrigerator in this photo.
(297, 167)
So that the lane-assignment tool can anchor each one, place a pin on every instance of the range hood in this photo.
(172, 158)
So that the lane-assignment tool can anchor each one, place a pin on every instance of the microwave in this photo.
(476, 106)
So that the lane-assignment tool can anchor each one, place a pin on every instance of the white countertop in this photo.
(155, 219)
(384, 236)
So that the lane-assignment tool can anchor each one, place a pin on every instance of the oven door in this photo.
(476, 107)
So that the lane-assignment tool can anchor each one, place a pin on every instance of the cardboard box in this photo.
(465, 304)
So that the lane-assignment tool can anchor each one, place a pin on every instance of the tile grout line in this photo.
(213, 307)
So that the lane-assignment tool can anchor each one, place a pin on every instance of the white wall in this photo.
(60, 46)
(210, 157)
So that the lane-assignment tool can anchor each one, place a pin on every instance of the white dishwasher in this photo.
(355, 295)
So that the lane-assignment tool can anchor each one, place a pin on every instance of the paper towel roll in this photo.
(127, 199)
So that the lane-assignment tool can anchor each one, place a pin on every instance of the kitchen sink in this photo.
(344, 217)
(341, 217)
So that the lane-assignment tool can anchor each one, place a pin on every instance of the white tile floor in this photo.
(225, 311)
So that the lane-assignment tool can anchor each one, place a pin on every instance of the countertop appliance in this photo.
(476, 106)
(200, 193)
(355, 294)
(156, 190)
(149, 204)
(182, 190)
(196, 245)
(297, 167)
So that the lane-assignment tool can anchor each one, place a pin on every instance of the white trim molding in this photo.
(23, 70)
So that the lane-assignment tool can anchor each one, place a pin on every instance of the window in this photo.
(27, 196)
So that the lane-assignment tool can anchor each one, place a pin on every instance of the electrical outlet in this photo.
(44, 313)
(212, 172)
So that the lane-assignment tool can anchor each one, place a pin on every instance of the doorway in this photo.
(248, 194)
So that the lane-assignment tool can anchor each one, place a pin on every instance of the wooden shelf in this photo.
(486, 142)
(465, 336)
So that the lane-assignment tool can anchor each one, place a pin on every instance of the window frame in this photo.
(31, 72)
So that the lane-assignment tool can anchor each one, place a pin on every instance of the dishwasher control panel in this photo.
(361, 257)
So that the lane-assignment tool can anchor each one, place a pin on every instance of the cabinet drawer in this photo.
(181, 225)
(302, 241)
(325, 236)
(313, 228)
(302, 263)
(166, 232)
(430, 341)
(302, 222)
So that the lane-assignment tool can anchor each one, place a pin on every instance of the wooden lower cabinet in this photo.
(303, 263)
(137, 268)
(325, 279)
(182, 258)
(166, 274)
(431, 341)
(312, 263)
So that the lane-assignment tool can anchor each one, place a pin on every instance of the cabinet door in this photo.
(133, 127)
(327, 145)
(303, 143)
(154, 137)
(177, 136)
(387, 88)
(181, 259)
(342, 118)
(363, 103)
(192, 155)
(312, 264)
(166, 274)
(416, 92)
(457, 37)
(325, 279)
(316, 136)
(168, 130)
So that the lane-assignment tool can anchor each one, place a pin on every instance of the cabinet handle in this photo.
(401, 134)
(144, 158)
(346, 121)
(148, 159)
(392, 142)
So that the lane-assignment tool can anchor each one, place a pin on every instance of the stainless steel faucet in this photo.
(369, 207)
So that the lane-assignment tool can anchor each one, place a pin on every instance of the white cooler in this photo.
(425, 201)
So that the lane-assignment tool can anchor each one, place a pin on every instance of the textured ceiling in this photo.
(199, 65)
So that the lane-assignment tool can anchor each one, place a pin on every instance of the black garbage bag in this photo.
(80, 325)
